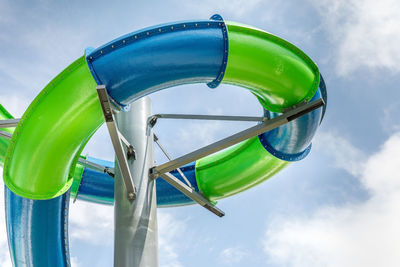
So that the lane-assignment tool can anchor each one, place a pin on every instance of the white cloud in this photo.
(232, 255)
(170, 230)
(75, 262)
(345, 155)
(366, 32)
(91, 222)
(358, 234)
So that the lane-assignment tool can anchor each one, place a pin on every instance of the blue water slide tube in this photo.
(37, 230)
(177, 53)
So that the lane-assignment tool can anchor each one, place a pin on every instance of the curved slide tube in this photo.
(42, 156)
(193, 52)
(37, 230)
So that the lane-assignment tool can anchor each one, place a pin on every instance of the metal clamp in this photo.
(131, 153)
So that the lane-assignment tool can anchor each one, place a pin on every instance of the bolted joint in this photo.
(152, 121)
(131, 153)
(153, 174)
(131, 196)
(109, 172)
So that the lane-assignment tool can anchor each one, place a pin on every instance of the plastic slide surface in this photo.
(40, 164)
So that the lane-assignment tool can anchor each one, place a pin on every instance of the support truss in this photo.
(163, 170)
(263, 127)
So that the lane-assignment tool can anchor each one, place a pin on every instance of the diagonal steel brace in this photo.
(191, 193)
(115, 136)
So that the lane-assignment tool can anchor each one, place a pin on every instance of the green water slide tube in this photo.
(41, 159)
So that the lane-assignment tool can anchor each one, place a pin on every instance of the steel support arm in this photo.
(9, 123)
(263, 127)
(97, 167)
(207, 117)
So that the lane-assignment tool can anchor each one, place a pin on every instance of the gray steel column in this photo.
(135, 222)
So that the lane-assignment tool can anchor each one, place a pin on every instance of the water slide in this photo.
(41, 168)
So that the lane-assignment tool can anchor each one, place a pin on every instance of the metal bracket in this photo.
(131, 153)
(263, 127)
(117, 142)
(191, 193)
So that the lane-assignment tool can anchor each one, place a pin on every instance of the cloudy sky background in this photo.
(337, 207)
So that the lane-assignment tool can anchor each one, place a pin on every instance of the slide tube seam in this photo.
(220, 77)
(118, 106)
(297, 51)
(284, 156)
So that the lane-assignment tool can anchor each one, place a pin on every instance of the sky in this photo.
(338, 207)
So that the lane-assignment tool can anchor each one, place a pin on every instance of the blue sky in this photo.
(337, 207)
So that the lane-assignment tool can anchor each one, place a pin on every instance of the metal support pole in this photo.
(135, 221)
